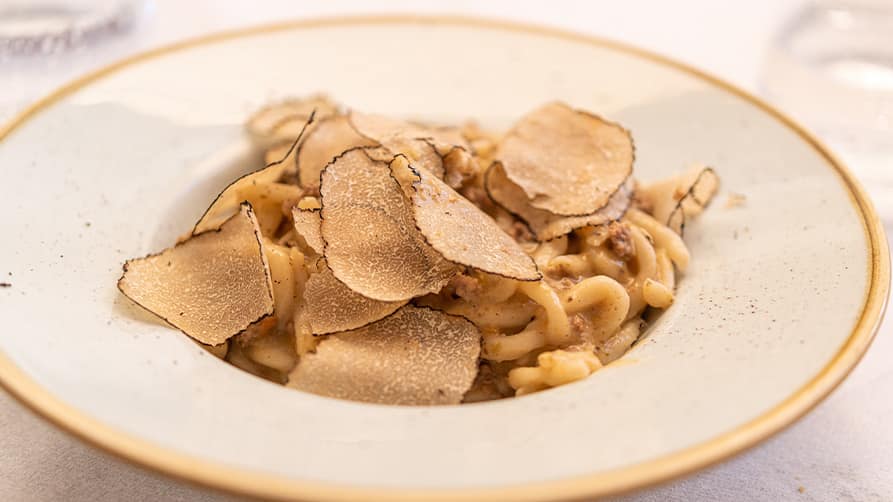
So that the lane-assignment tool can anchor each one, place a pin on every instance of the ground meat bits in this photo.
(620, 241)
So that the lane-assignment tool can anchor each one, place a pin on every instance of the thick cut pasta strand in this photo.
(275, 351)
(620, 342)
(554, 368)
(605, 301)
(665, 272)
(604, 262)
(663, 237)
(656, 294)
(646, 268)
(496, 289)
(502, 316)
(304, 340)
(557, 326)
(282, 272)
(548, 250)
(570, 265)
(499, 347)
(237, 357)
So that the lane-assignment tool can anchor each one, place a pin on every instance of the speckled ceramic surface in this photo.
(781, 298)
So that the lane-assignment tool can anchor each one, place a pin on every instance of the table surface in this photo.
(843, 450)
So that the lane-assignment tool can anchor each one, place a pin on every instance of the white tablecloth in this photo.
(843, 450)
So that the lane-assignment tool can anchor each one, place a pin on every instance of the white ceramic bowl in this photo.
(782, 298)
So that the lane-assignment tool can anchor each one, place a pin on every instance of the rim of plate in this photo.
(674, 465)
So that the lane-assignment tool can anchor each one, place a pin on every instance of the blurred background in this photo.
(827, 63)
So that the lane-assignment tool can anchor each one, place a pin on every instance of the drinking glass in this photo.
(831, 67)
(41, 27)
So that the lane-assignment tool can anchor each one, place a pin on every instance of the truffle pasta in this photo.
(394, 262)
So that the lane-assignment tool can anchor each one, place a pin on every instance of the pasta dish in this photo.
(395, 262)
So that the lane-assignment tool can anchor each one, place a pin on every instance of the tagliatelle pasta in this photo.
(391, 265)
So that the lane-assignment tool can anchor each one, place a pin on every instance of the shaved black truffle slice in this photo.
(459, 230)
(371, 241)
(417, 356)
(566, 161)
(544, 224)
(427, 147)
(330, 306)
(331, 137)
(211, 286)
(283, 119)
(307, 223)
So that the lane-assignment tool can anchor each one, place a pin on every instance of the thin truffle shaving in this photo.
(330, 306)
(545, 225)
(417, 356)
(380, 128)
(281, 120)
(425, 146)
(307, 223)
(567, 161)
(458, 230)
(191, 285)
(371, 242)
(330, 138)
